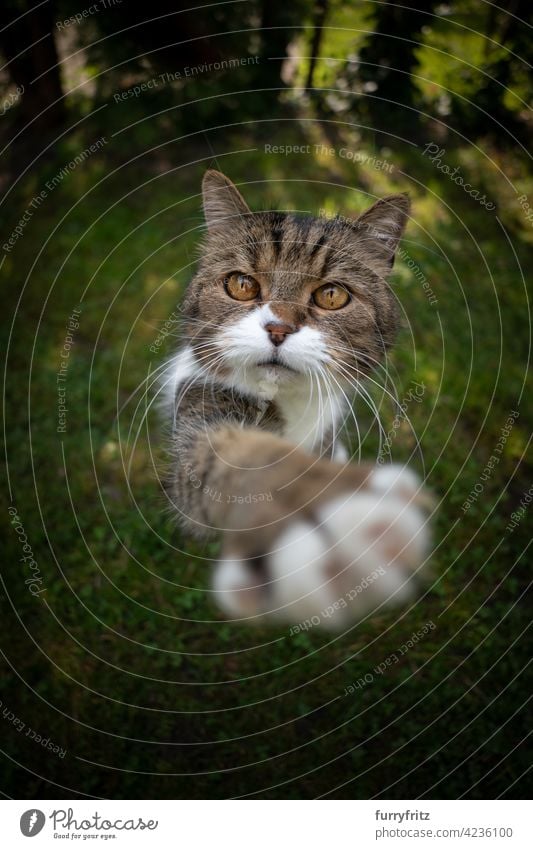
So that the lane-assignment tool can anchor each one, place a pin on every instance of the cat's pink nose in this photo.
(278, 331)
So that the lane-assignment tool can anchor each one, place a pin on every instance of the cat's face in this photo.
(280, 296)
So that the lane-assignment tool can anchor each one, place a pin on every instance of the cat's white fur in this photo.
(379, 536)
(377, 529)
(309, 411)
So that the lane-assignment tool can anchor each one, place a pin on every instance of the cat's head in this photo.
(287, 295)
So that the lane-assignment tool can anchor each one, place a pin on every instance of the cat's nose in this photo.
(278, 331)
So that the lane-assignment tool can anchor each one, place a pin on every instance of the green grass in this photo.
(123, 660)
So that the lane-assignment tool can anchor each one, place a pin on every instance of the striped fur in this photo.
(254, 445)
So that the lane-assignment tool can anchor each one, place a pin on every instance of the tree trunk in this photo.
(320, 13)
(30, 48)
(388, 60)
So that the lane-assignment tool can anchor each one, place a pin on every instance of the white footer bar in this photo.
(256, 824)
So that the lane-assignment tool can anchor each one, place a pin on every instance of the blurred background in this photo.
(118, 677)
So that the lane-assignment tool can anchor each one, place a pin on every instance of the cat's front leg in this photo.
(308, 539)
(333, 561)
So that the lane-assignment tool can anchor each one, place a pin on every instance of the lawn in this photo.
(117, 655)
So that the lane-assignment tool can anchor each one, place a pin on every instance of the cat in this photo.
(283, 319)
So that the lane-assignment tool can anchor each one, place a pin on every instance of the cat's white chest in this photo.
(310, 418)
(311, 415)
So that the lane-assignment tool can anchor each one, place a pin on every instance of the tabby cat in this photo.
(284, 318)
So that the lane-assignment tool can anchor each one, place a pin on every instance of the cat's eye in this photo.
(331, 296)
(241, 287)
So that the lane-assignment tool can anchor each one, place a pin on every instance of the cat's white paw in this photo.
(362, 553)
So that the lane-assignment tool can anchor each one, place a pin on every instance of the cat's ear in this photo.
(384, 223)
(223, 202)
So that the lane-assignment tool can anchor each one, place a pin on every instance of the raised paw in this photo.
(352, 555)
